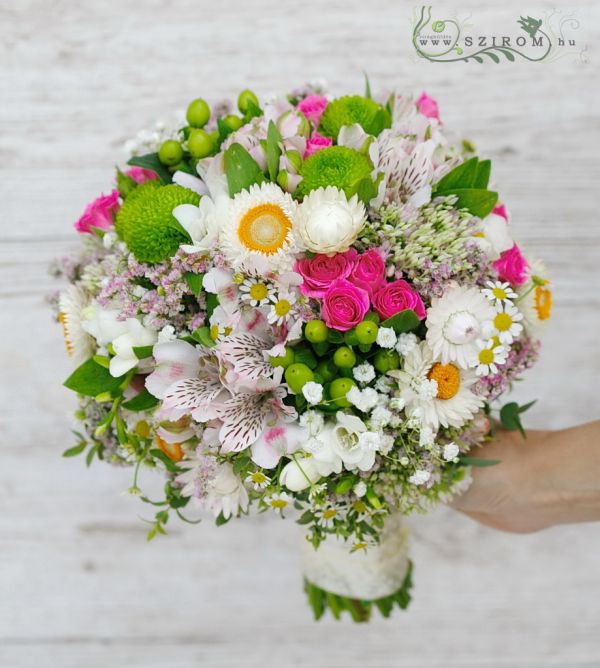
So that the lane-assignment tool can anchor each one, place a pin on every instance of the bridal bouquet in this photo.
(308, 306)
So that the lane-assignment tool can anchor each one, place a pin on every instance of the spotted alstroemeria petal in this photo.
(246, 353)
(192, 393)
(243, 417)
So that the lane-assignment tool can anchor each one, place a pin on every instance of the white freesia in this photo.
(300, 474)
(103, 324)
(125, 358)
(327, 222)
(200, 222)
(347, 442)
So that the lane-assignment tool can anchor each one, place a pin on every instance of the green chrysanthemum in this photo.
(131, 206)
(337, 166)
(150, 231)
(372, 117)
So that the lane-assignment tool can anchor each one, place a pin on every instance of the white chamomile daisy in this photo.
(455, 323)
(490, 355)
(279, 501)
(282, 307)
(499, 293)
(505, 324)
(325, 516)
(258, 231)
(436, 393)
(255, 291)
(80, 345)
(258, 480)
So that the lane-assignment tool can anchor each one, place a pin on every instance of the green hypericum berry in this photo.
(370, 115)
(297, 375)
(344, 357)
(170, 153)
(327, 370)
(316, 331)
(338, 166)
(149, 231)
(198, 113)
(283, 360)
(233, 122)
(130, 208)
(338, 390)
(386, 360)
(244, 98)
(200, 144)
(366, 332)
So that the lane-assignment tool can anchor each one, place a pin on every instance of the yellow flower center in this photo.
(62, 318)
(486, 356)
(329, 514)
(447, 377)
(503, 322)
(499, 293)
(360, 506)
(543, 303)
(278, 503)
(258, 291)
(282, 307)
(258, 478)
(264, 228)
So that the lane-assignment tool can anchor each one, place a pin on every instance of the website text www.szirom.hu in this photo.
(492, 40)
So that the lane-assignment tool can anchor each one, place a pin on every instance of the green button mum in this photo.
(130, 207)
(370, 115)
(337, 166)
(150, 229)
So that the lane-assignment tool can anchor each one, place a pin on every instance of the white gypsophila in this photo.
(167, 333)
(313, 421)
(381, 417)
(406, 342)
(109, 239)
(450, 451)
(365, 400)
(397, 403)
(427, 389)
(454, 324)
(384, 384)
(313, 392)
(386, 337)
(327, 222)
(426, 437)
(505, 324)
(364, 373)
(370, 440)
(360, 489)
(71, 303)
(396, 420)
(420, 477)
(387, 443)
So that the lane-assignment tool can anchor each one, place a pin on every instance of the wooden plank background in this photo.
(79, 586)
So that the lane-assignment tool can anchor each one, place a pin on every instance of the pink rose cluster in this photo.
(512, 266)
(349, 284)
(99, 214)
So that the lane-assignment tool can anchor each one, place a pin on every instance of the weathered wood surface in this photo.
(79, 586)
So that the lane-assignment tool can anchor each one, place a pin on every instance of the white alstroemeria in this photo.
(276, 441)
(226, 493)
(105, 325)
(175, 361)
(125, 358)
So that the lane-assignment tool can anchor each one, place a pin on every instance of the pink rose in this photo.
(395, 297)
(141, 175)
(344, 305)
(428, 106)
(512, 266)
(313, 107)
(319, 271)
(315, 143)
(99, 214)
(368, 272)
(500, 210)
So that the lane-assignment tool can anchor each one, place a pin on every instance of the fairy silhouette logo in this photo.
(534, 39)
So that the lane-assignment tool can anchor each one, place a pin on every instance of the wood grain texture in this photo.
(79, 586)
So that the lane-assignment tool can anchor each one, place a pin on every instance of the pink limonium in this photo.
(319, 271)
(368, 271)
(500, 210)
(395, 297)
(99, 214)
(512, 266)
(428, 106)
(313, 107)
(344, 305)
(141, 175)
(315, 143)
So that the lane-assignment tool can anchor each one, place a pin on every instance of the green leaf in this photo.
(345, 484)
(75, 450)
(224, 131)
(477, 461)
(252, 111)
(194, 281)
(306, 518)
(142, 352)
(482, 178)
(91, 379)
(143, 401)
(90, 455)
(364, 189)
(305, 356)
(477, 201)
(202, 335)
(404, 321)
(462, 176)
(169, 463)
(273, 150)
(221, 520)
(151, 161)
(241, 169)
(367, 86)
(212, 301)
(509, 416)
(333, 336)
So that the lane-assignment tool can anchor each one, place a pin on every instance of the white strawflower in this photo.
(327, 222)
(406, 342)
(420, 477)
(364, 373)
(450, 451)
(386, 337)
(313, 392)
(360, 489)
